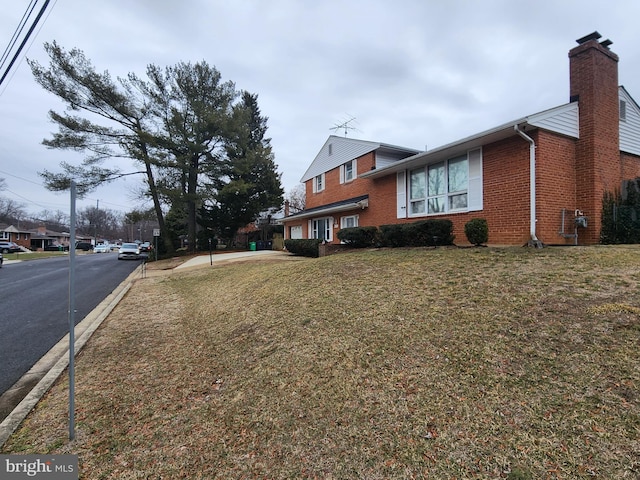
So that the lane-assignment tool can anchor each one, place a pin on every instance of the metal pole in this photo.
(72, 308)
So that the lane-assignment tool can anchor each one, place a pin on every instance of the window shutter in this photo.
(401, 196)
(342, 168)
(475, 180)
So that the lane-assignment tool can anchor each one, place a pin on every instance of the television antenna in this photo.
(344, 126)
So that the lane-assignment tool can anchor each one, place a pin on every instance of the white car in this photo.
(129, 250)
(102, 248)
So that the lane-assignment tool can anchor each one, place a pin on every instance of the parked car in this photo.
(85, 246)
(54, 247)
(102, 248)
(129, 251)
(1, 260)
(9, 247)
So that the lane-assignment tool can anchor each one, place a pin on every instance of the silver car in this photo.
(129, 251)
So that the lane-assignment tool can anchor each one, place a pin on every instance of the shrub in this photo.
(303, 247)
(477, 231)
(358, 237)
(392, 235)
(202, 241)
(428, 233)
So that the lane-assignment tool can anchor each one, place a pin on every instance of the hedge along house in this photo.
(536, 180)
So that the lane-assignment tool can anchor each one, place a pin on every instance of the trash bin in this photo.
(260, 245)
(252, 246)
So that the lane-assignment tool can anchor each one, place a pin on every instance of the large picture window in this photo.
(417, 191)
(440, 187)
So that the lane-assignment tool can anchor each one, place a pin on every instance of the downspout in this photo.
(532, 187)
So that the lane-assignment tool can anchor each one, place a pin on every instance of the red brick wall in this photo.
(334, 191)
(555, 187)
(570, 174)
(630, 165)
(594, 78)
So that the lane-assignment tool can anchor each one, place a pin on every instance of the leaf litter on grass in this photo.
(409, 363)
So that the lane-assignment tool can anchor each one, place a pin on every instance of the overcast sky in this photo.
(412, 73)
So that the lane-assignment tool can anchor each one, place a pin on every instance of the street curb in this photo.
(57, 359)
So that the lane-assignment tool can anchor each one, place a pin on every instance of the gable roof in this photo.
(361, 201)
(339, 150)
(562, 119)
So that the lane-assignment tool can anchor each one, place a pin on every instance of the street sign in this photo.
(156, 232)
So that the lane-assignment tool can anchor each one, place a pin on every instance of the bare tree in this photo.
(297, 198)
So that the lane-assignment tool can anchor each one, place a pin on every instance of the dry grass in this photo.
(472, 363)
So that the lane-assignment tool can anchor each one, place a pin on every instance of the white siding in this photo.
(342, 150)
(630, 128)
(338, 150)
(562, 119)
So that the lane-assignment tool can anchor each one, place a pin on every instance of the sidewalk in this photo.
(218, 258)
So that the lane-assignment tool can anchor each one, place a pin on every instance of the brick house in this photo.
(537, 180)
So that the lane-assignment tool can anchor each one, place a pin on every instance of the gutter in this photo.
(532, 186)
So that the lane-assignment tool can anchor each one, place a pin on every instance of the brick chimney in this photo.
(594, 84)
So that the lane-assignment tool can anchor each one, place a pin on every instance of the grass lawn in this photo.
(380, 364)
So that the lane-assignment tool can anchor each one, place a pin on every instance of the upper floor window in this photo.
(348, 171)
(318, 183)
(440, 187)
(623, 110)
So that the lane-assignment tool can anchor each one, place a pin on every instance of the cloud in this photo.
(412, 72)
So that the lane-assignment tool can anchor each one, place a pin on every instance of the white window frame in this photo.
(318, 183)
(298, 232)
(348, 171)
(328, 228)
(345, 220)
(419, 205)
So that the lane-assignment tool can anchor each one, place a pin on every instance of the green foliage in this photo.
(203, 238)
(621, 216)
(197, 139)
(422, 233)
(249, 183)
(358, 237)
(303, 247)
(477, 231)
(392, 235)
(428, 233)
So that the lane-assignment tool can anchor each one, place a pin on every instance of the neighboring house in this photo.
(9, 233)
(41, 238)
(538, 179)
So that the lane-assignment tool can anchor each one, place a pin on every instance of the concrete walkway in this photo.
(217, 258)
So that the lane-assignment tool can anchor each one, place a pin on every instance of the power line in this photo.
(17, 33)
(25, 40)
